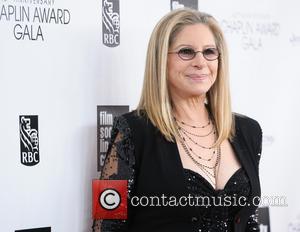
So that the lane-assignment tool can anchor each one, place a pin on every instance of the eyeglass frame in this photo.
(195, 53)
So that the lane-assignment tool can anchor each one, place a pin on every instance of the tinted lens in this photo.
(211, 53)
(186, 53)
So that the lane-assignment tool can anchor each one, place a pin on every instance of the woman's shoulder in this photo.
(246, 124)
(138, 129)
(136, 119)
(250, 130)
(136, 122)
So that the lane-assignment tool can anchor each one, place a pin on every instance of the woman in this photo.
(183, 139)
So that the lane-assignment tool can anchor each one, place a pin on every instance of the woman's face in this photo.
(191, 78)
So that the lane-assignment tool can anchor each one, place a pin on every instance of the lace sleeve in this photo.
(119, 165)
(252, 224)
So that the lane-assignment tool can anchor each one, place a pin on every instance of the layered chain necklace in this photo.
(186, 136)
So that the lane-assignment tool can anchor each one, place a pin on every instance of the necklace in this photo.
(199, 155)
(188, 132)
(191, 150)
(192, 126)
(209, 170)
(192, 140)
(187, 151)
(211, 176)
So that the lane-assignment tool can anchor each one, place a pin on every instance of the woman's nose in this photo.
(199, 60)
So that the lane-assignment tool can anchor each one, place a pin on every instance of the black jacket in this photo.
(153, 166)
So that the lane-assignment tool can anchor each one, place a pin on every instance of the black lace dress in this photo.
(119, 164)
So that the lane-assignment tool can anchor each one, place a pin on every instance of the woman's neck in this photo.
(192, 110)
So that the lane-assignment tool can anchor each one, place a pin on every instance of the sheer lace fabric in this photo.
(119, 165)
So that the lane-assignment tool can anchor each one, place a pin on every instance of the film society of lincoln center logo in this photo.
(105, 119)
(110, 23)
(29, 139)
(105, 126)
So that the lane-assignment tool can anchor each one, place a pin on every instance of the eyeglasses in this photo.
(209, 54)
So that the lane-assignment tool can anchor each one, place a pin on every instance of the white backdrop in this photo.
(63, 78)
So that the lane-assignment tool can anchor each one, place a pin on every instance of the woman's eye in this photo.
(210, 51)
(187, 51)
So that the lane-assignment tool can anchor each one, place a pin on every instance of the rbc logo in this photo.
(29, 157)
(29, 140)
(110, 39)
(110, 23)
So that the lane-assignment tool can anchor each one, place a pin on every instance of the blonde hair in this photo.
(155, 100)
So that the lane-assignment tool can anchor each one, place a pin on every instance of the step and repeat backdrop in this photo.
(68, 67)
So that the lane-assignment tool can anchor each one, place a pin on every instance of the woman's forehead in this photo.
(194, 35)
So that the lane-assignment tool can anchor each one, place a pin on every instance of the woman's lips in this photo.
(198, 77)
